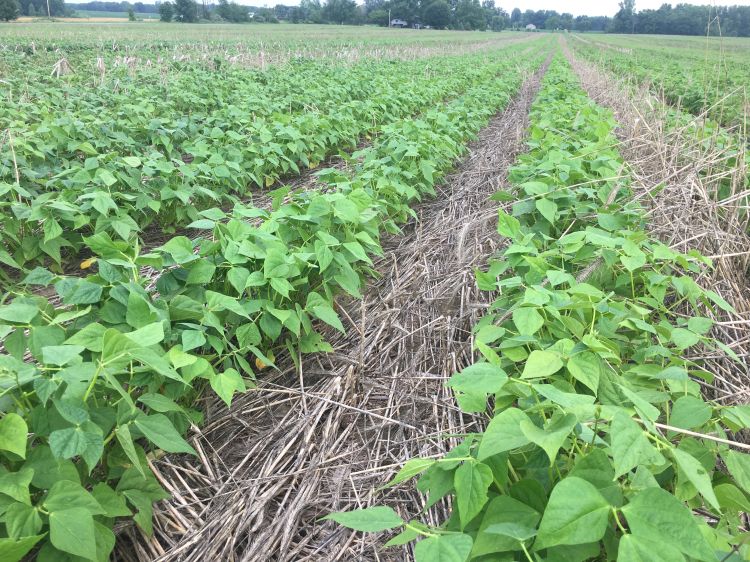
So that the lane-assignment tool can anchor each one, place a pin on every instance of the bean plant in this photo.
(599, 443)
(102, 372)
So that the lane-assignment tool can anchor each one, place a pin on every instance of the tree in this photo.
(131, 14)
(186, 11)
(295, 14)
(239, 13)
(624, 20)
(552, 22)
(495, 17)
(9, 10)
(407, 10)
(311, 11)
(566, 21)
(498, 23)
(340, 11)
(470, 15)
(536, 17)
(39, 7)
(437, 14)
(378, 17)
(515, 18)
(282, 12)
(56, 8)
(583, 23)
(268, 15)
(600, 23)
(166, 11)
(372, 5)
(223, 10)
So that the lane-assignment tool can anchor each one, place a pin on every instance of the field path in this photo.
(302, 446)
(684, 175)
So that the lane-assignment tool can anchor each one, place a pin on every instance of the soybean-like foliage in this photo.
(95, 162)
(699, 77)
(101, 373)
(599, 444)
(694, 82)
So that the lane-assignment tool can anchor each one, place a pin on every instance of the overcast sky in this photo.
(598, 7)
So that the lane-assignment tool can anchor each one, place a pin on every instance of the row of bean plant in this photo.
(118, 161)
(707, 133)
(96, 386)
(694, 80)
(599, 443)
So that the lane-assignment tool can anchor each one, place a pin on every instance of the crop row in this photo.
(725, 175)
(212, 46)
(600, 444)
(108, 378)
(696, 83)
(223, 92)
(69, 176)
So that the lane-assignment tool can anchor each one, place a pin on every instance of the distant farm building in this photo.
(399, 23)
(531, 27)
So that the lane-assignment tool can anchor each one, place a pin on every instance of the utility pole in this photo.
(389, 15)
(49, 15)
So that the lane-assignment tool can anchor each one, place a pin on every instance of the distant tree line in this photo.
(550, 19)
(440, 14)
(31, 8)
(682, 19)
(189, 11)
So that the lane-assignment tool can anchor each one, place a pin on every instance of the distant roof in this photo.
(531, 26)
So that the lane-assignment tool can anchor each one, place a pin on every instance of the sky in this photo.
(598, 7)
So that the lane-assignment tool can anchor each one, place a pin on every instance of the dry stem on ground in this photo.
(687, 212)
(322, 439)
(304, 444)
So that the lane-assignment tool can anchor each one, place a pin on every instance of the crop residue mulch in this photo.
(300, 447)
(677, 177)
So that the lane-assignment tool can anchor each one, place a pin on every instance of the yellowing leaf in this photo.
(260, 364)
(85, 264)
